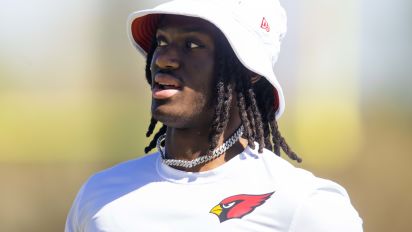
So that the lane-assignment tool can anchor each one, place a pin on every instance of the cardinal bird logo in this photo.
(238, 206)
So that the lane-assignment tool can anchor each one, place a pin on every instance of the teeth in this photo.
(169, 87)
(166, 84)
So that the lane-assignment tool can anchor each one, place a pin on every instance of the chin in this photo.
(175, 115)
(179, 120)
(169, 117)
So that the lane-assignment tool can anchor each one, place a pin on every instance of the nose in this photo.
(167, 58)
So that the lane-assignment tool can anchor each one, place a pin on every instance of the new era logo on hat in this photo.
(265, 25)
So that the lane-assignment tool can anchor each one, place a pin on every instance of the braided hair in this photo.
(256, 102)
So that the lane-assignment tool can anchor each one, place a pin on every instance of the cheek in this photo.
(205, 77)
(197, 98)
(202, 94)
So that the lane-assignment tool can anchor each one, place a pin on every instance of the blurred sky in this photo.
(70, 81)
(72, 87)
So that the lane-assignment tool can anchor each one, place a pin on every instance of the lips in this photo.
(165, 86)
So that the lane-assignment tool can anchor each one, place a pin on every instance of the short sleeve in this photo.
(326, 210)
(72, 221)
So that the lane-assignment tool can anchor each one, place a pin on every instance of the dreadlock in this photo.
(255, 101)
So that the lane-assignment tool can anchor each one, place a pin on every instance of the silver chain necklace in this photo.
(199, 160)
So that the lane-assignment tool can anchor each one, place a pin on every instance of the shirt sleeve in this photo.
(72, 221)
(326, 210)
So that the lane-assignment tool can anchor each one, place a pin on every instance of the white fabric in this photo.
(146, 195)
(256, 47)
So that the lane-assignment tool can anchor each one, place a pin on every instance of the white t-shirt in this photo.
(251, 192)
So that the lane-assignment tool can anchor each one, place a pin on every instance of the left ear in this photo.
(255, 79)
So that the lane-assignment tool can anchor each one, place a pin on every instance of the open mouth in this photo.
(166, 81)
(165, 86)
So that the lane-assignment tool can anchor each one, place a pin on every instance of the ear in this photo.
(255, 79)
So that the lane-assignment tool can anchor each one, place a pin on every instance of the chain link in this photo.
(199, 160)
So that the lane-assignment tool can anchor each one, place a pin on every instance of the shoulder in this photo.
(308, 202)
(286, 176)
(105, 186)
(327, 208)
(289, 178)
(128, 169)
(129, 174)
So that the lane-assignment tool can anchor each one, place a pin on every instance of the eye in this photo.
(161, 42)
(191, 45)
(228, 205)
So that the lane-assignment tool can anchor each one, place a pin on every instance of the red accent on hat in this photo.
(276, 101)
(144, 29)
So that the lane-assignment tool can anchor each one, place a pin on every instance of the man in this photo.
(210, 68)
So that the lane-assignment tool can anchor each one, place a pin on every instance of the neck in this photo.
(186, 144)
(189, 144)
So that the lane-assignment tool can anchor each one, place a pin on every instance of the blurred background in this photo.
(73, 100)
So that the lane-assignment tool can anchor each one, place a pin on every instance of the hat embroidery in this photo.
(265, 25)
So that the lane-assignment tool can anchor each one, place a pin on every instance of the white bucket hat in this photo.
(254, 29)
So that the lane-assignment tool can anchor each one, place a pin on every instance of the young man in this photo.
(210, 68)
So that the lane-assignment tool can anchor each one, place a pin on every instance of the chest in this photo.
(233, 206)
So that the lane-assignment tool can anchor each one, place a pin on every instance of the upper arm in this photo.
(325, 211)
(72, 221)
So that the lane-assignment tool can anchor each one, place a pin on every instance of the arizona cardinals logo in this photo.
(238, 206)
